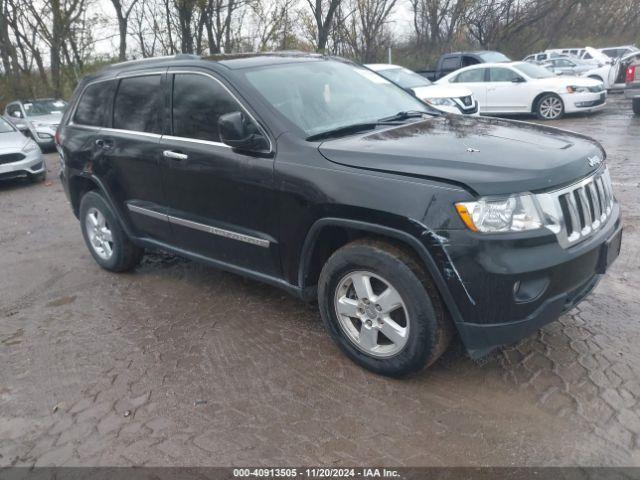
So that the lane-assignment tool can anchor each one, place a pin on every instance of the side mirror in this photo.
(16, 114)
(239, 132)
(518, 80)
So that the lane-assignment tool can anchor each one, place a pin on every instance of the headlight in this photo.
(440, 102)
(514, 214)
(572, 89)
(30, 146)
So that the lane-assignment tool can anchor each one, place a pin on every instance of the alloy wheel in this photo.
(99, 233)
(372, 314)
(550, 108)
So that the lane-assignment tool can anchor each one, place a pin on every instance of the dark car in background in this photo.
(450, 62)
(404, 224)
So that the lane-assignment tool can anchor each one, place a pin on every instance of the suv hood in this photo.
(488, 155)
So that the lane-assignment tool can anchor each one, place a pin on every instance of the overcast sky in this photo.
(400, 24)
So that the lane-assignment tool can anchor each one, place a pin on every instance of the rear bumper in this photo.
(632, 91)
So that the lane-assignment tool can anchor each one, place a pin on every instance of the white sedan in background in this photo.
(446, 98)
(520, 87)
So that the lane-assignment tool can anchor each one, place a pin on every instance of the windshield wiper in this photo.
(360, 127)
(346, 130)
(404, 115)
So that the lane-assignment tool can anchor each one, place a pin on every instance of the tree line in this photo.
(46, 46)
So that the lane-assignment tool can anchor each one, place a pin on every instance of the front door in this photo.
(221, 201)
(506, 91)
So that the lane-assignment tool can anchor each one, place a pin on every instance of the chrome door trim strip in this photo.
(220, 232)
(148, 213)
(131, 132)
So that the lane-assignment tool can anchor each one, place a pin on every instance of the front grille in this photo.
(11, 157)
(468, 100)
(578, 211)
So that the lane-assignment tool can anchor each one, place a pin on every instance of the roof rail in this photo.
(177, 56)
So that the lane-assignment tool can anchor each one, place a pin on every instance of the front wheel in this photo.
(636, 106)
(550, 107)
(382, 309)
(105, 238)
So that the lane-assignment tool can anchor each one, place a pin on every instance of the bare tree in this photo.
(323, 12)
(364, 27)
(123, 12)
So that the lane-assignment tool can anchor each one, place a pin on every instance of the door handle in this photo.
(175, 155)
(104, 144)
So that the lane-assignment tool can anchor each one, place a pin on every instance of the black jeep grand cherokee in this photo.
(318, 176)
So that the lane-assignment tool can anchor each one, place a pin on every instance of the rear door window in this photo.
(502, 75)
(138, 104)
(94, 105)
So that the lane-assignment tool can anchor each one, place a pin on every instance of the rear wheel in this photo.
(104, 236)
(636, 106)
(382, 309)
(550, 107)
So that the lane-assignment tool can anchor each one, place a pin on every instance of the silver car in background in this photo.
(20, 156)
(567, 66)
(39, 118)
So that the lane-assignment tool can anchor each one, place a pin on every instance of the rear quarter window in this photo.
(93, 106)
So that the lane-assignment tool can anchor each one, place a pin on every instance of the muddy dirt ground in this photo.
(180, 364)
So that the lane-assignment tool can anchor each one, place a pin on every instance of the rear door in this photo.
(131, 153)
(476, 80)
(222, 201)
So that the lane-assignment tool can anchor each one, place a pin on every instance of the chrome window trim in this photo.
(220, 232)
(241, 104)
(195, 140)
(131, 132)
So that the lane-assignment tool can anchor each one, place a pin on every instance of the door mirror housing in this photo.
(518, 80)
(16, 114)
(237, 131)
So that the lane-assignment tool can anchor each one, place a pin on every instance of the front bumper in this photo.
(512, 287)
(32, 164)
(632, 90)
(584, 102)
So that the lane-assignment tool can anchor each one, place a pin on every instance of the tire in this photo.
(636, 106)
(421, 314)
(550, 107)
(113, 250)
(38, 177)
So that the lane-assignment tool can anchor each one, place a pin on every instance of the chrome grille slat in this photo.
(576, 212)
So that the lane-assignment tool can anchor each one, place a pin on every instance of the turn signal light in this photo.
(466, 217)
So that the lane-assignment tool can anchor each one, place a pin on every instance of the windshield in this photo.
(493, 57)
(320, 96)
(36, 108)
(5, 127)
(533, 71)
(404, 77)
